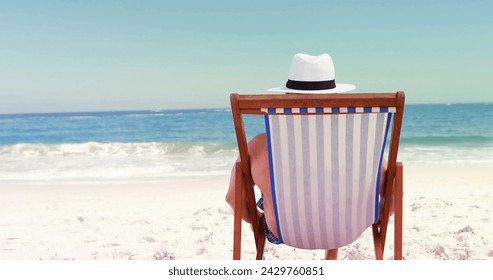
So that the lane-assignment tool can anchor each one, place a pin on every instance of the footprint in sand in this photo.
(163, 255)
(111, 245)
(439, 251)
(466, 229)
(206, 239)
(224, 211)
(141, 222)
(12, 238)
(195, 228)
(200, 251)
(204, 211)
(415, 206)
(150, 239)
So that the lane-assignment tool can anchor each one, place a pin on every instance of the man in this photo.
(307, 75)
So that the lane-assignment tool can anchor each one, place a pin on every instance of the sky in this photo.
(97, 55)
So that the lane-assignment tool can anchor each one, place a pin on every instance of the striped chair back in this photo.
(325, 172)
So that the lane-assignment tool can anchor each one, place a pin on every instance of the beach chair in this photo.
(325, 154)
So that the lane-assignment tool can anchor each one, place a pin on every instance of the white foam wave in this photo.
(8, 121)
(83, 118)
(113, 161)
(97, 149)
(446, 154)
(154, 160)
(145, 115)
(122, 170)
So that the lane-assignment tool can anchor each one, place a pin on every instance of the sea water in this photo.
(154, 145)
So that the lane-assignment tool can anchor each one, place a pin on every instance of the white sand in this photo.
(447, 215)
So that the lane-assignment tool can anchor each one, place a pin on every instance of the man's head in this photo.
(312, 74)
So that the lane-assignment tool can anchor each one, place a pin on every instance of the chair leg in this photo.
(331, 254)
(377, 241)
(257, 228)
(260, 242)
(378, 235)
(238, 213)
(398, 213)
(237, 242)
(249, 199)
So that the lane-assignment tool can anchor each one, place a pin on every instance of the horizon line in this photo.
(157, 110)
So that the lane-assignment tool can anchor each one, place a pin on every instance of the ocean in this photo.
(155, 145)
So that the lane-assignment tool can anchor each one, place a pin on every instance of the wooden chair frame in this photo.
(392, 181)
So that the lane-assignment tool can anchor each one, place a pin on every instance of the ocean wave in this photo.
(97, 149)
(77, 118)
(155, 161)
(146, 115)
(8, 120)
(114, 161)
(446, 140)
(88, 168)
(444, 153)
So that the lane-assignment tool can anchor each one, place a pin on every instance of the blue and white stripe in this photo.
(306, 110)
(324, 173)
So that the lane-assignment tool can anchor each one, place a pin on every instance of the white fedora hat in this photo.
(312, 74)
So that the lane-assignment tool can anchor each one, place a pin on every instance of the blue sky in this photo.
(127, 55)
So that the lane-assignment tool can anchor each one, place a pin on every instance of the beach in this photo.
(447, 215)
